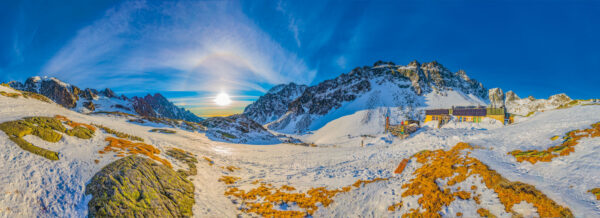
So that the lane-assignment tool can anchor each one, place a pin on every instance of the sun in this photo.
(222, 99)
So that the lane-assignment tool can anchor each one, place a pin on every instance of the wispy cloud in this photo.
(293, 25)
(200, 46)
(209, 47)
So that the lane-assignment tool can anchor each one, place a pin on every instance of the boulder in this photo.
(139, 187)
(89, 105)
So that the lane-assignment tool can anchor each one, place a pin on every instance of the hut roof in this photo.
(437, 112)
(469, 112)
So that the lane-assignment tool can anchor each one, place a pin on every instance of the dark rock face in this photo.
(67, 95)
(88, 94)
(159, 106)
(52, 88)
(108, 93)
(238, 129)
(139, 187)
(275, 103)
(89, 105)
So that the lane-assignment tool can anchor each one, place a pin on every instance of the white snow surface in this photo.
(35, 187)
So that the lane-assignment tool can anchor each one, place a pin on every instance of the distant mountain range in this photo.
(385, 84)
(401, 91)
(91, 100)
(406, 89)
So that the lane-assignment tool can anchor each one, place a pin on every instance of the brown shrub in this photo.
(262, 199)
(571, 139)
(456, 167)
(596, 192)
(122, 147)
(401, 166)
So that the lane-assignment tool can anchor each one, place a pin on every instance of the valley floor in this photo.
(34, 186)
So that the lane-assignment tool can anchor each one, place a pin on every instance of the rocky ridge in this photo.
(274, 104)
(318, 100)
(89, 100)
(525, 106)
(238, 129)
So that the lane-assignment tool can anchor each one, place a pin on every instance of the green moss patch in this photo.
(166, 131)
(36, 96)
(42, 127)
(224, 134)
(46, 128)
(185, 157)
(12, 95)
(81, 132)
(119, 134)
(139, 187)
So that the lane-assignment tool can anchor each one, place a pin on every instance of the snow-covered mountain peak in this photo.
(384, 84)
(88, 100)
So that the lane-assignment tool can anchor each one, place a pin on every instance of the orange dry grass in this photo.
(456, 167)
(232, 168)
(123, 146)
(595, 191)
(485, 213)
(395, 206)
(263, 199)
(210, 161)
(570, 140)
(401, 166)
(74, 124)
(229, 179)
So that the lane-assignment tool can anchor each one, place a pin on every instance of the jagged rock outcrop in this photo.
(496, 97)
(414, 79)
(274, 103)
(54, 89)
(72, 97)
(139, 187)
(238, 129)
(108, 93)
(89, 105)
(158, 106)
(511, 96)
(88, 94)
(526, 106)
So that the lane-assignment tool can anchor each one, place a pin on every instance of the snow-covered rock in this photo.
(238, 129)
(525, 106)
(413, 86)
(274, 104)
(89, 100)
(496, 97)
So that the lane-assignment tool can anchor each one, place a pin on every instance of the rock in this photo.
(58, 91)
(511, 96)
(67, 95)
(275, 103)
(108, 93)
(89, 105)
(496, 97)
(238, 129)
(158, 106)
(526, 106)
(139, 187)
(318, 100)
(88, 94)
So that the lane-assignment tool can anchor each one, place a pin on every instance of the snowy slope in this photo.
(35, 187)
(427, 85)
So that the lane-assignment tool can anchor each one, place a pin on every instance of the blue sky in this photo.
(192, 50)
